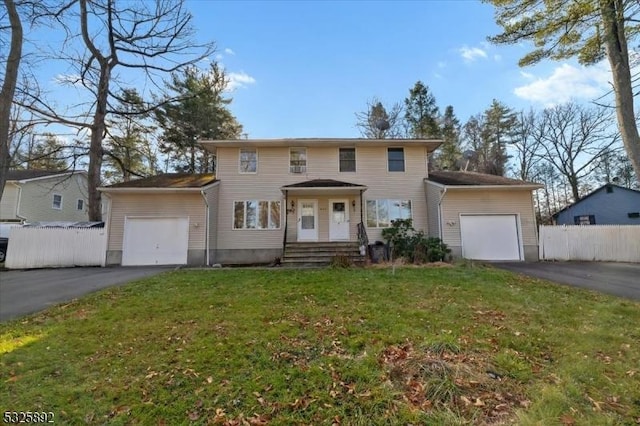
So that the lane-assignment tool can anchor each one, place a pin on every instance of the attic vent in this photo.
(634, 215)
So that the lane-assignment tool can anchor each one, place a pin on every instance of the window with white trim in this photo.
(56, 202)
(380, 213)
(256, 214)
(80, 204)
(248, 160)
(298, 160)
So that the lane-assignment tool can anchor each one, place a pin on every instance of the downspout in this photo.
(442, 194)
(18, 204)
(107, 228)
(206, 227)
(361, 209)
(286, 220)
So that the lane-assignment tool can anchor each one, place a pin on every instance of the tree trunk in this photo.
(8, 89)
(618, 54)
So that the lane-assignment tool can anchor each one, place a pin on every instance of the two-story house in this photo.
(44, 195)
(294, 198)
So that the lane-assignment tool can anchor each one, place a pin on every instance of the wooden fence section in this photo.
(612, 243)
(56, 247)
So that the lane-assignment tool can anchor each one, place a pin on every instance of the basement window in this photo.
(585, 219)
(634, 215)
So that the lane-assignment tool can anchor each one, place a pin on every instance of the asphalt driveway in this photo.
(618, 279)
(26, 292)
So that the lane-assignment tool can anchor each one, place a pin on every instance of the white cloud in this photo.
(442, 64)
(229, 51)
(239, 80)
(219, 57)
(497, 57)
(67, 80)
(566, 83)
(470, 54)
(527, 75)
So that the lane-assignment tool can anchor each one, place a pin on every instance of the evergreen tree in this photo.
(421, 113)
(379, 122)
(500, 127)
(129, 149)
(449, 152)
(200, 113)
(46, 153)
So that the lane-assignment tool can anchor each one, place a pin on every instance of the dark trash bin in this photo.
(379, 252)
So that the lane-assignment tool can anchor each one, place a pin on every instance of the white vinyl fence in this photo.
(56, 247)
(612, 243)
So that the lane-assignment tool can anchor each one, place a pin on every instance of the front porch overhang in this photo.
(323, 187)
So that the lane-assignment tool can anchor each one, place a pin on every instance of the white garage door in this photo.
(155, 241)
(491, 237)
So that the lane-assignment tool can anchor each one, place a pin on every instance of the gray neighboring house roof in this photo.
(19, 175)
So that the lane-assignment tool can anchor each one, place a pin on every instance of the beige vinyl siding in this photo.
(322, 163)
(36, 199)
(9, 202)
(160, 204)
(433, 193)
(485, 201)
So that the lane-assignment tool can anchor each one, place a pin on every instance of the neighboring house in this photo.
(483, 216)
(164, 219)
(271, 197)
(41, 195)
(608, 205)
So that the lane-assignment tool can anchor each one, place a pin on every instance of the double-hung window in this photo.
(79, 204)
(256, 214)
(56, 202)
(248, 160)
(380, 213)
(395, 159)
(347, 159)
(298, 160)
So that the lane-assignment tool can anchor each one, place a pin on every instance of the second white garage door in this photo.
(490, 237)
(155, 241)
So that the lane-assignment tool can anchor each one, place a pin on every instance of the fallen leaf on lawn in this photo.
(466, 400)
(193, 416)
(596, 404)
(479, 403)
(567, 419)
(209, 379)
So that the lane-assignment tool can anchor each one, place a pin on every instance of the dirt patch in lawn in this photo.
(441, 377)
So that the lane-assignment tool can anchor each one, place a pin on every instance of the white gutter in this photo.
(107, 228)
(206, 227)
(443, 191)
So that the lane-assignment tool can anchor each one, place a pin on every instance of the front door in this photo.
(307, 220)
(338, 220)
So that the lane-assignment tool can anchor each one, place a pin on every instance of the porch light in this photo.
(353, 204)
(293, 207)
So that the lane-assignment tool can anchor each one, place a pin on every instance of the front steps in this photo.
(320, 254)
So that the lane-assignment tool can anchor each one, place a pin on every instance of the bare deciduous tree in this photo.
(574, 138)
(147, 40)
(7, 92)
(379, 122)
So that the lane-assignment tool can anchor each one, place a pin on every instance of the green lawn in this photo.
(459, 345)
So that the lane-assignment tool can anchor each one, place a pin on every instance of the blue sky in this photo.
(304, 68)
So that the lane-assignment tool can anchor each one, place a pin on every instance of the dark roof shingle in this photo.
(169, 180)
(32, 174)
(321, 183)
(460, 178)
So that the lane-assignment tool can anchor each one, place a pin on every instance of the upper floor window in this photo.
(80, 204)
(395, 159)
(56, 202)
(347, 159)
(248, 160)
(298, 160)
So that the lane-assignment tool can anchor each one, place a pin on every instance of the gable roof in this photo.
(595, 191)
(472, 179)
(36, 174)
(167, 181)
